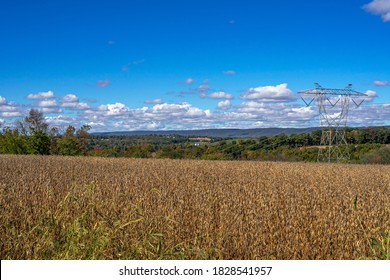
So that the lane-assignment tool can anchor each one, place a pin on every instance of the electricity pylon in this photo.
(333, 106)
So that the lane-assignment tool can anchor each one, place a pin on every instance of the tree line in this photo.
(33, 135)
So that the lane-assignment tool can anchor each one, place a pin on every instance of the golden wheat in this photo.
(98, 208)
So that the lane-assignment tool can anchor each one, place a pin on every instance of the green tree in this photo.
(38, 143)
(11, 142)
(36, 128)
(82, 137)
(68, 144)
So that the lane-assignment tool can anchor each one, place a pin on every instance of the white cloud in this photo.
(229, 72)
(161, 116)
(381, 83)
(96, 124)
(248, 114)
(71, 101)
(224, 105)
(47, 103)
(370, 95)
(154, 125)
(373, 114)
(187, 81)
(379, 7)
(203, 88)
(75, 105)
(116, 109)
(154, 101)
(69, 98)
(8, 108)
(257, 107)
(59, 120)
(255, 110)
(2, 100)
(41, 95)
(279, 93)
(51, 110)
(48, 106)
(302, 113)
(11, 114)
(217, 95)
(182, 110)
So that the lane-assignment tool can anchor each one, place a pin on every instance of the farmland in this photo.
(55, 207)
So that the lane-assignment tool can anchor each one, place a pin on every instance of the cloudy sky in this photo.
(173, 64)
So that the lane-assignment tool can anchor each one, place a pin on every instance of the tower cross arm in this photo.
(332, 91)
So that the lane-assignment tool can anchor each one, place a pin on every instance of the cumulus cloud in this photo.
(11, 114)
(115, 109)
(381, 83)
(247, 114)
(254, 111)
(69, 98)
(154, 125)
(103, 83)
(370, 95)
(9, 107)
(217, 95)
(203, 88)
(71, 101)
(229, 72)
(154, 101)
(373, 114)
(278, 114)
(75, 105)
(51, 110)
(224, 105)
(2, 100)
(279, 93)
(301, 113)
(164, 116)
(176, 110)
(379, 7)
(41, 95)
(187, 81)
(47, 103)
(48, 106)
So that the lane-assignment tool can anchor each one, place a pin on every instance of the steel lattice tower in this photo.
(333, 106)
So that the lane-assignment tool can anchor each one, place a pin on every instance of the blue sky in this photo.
(130, 65)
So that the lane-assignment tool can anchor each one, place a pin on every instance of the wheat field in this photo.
(109, 208)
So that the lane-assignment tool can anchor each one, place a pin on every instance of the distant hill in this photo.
(223, 133)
